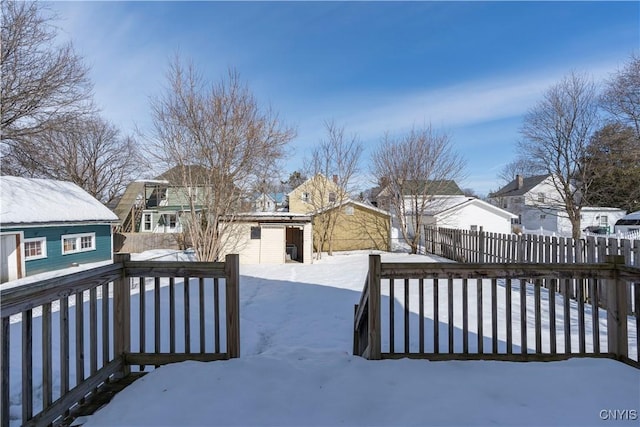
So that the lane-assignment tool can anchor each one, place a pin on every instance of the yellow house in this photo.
(315, 194)
(358, 226)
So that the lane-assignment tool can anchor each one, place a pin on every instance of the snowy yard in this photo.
(296, 368)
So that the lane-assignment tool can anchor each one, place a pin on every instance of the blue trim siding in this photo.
(55, 260)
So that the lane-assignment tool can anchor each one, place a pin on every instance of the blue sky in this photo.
(471, 69)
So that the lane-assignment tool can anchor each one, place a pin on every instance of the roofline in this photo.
(59, 223)
(355, 202)
(473, 200)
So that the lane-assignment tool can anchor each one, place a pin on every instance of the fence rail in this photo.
(496, 311)
(83, 335)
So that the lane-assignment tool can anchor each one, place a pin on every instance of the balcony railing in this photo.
(65, 338)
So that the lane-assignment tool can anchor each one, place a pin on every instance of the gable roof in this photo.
(41, 201)
(512, 188)
(356, 203)
(441, 187)
(475, 201)
(199, 175)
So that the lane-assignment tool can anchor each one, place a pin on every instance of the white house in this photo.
(538, 205)
(272, 238)
(431, 197)
(472, 214)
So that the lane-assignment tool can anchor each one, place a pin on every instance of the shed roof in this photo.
(42, 201)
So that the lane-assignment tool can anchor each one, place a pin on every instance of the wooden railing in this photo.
(496, 311)
(64, 338)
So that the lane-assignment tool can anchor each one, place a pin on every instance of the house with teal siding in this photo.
(48, 225)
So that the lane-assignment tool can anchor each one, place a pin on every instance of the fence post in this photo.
(481, 245)
(375, 345)
(122, 314)
(232, 291)
(617, 337)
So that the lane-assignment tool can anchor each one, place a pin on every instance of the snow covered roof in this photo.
(30, 201)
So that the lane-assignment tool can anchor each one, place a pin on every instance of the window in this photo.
(543, 216)
(35, 248)
(348, 210)
(474, 228)
(255, 233)
(305, 197)
(332, 197)
(604, 220)
(540, 197)
(146, 222)
(73, 243)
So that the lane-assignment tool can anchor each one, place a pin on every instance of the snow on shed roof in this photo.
(39, 201)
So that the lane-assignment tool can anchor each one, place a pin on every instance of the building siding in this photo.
(55, 260)
(365, 229)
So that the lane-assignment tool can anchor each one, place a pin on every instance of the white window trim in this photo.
(44, 248)
(78, 238)
(144, 223)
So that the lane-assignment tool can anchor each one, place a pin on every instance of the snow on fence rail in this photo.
(447, 311)
(55, 357)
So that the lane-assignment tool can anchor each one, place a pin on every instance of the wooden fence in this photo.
(69, 336)
(447, 311)
(480, 246)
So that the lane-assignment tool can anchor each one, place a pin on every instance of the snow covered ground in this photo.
(297, 369)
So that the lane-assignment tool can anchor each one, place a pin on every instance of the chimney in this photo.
(519, 182)
(335, 179)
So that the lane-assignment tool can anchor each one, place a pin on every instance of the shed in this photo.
(48, 225)
(271, 238)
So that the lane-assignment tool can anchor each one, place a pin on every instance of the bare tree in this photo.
(44, 85)
(415, 169)
(221, 143)
(520, 166)
(556, 134)
(333, 164)
(89, 152)
(621, 97)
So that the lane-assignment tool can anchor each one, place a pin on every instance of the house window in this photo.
(604, 221)
(348, 210)
(255, 233)
(542, 216)
(172, 220)
(305, 197)
(73, 243)
(146, 222)
(540, 197)
(35, 248)
(332, 197)
(474, 228)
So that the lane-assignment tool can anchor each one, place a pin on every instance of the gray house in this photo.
(49, 225)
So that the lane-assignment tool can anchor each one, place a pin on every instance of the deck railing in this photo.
(68, 336)
(496, 311)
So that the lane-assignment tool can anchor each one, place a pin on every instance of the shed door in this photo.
(9, 257)
(272, 245)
